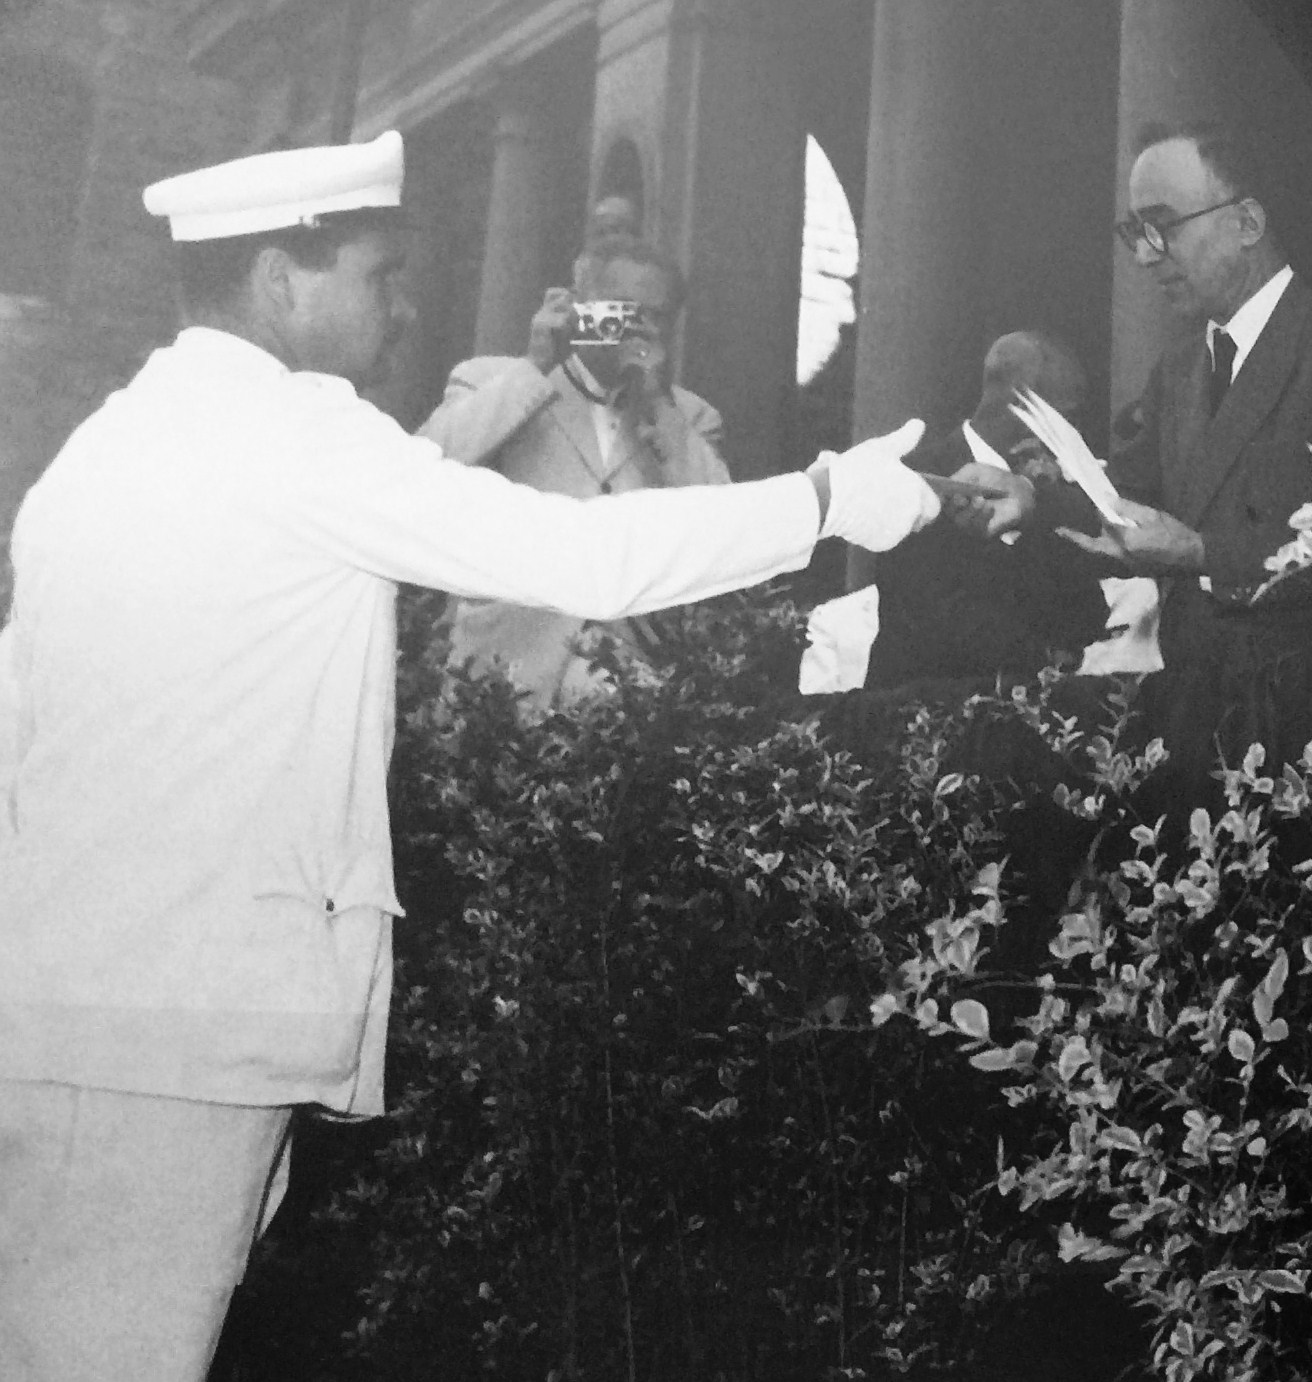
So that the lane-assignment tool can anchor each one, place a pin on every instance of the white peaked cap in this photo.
(285, 188)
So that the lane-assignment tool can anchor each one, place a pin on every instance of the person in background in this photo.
(954, 606)
(961, 615)
(614, 214)
(582, 420)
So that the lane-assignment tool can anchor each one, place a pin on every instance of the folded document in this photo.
(1077, 463)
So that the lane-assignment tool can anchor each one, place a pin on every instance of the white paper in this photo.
(1078, 464)
(1132, 618)
(841, 633)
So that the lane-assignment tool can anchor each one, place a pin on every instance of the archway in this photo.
(622, 181)
(830, 255)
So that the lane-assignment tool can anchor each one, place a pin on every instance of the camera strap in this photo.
(583, 388)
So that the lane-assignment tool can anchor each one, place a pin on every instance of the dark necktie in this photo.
(1223, 361)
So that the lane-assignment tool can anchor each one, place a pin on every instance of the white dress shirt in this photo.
(195, 862)
(981, 451)
(1250, 320)
(984, 454)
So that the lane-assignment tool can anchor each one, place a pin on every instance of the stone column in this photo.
(708, 91)
(519, 209)
(919, 309)
(989, 200)
(733, 202)
(918, 322)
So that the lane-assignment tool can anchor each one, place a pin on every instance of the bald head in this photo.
(614, 215)
(1026, 360)
(1031, 360)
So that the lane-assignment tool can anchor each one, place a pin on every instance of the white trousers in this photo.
(125, 1222)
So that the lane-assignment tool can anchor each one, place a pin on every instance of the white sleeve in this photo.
(391, 504)
(11, 730)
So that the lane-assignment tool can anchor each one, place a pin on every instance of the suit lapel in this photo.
(572, 413)
(1185, 422)
(628, 450)
(1248, 402)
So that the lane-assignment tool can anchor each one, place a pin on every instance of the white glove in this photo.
(874, 500)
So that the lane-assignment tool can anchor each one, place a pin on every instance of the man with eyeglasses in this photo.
(1218, 464)
(582, 420)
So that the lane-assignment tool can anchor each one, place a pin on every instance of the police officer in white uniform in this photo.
(195, 869)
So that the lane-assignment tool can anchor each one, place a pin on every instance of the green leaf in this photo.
(1074, 1055)
(971, 1017)
(997, 1058)
(1288, 1283)
(1079, 1247)
(1270, 989)
(882, 1008)
(1200, 828)
(1126, 1139)
(927, 1013)
(1240, 1045)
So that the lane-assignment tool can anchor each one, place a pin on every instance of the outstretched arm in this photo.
(408, 516)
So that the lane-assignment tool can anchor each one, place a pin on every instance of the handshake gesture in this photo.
(868, 497)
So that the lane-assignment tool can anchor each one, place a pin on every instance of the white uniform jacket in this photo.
(195, 864)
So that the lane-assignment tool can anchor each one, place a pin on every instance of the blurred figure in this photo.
(583, 420)
(955, 606)
(616, 214)
(962, 613)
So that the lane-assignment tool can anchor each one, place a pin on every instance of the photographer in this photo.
(590, 409)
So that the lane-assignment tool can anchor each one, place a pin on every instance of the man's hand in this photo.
(1030, 458)
(549, 329)
(1004, 510)
(1157, 544)
(867, 495)
(646, 397)
(644, 371)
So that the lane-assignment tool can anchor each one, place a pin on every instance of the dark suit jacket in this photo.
(1236, 671)
(956, 605)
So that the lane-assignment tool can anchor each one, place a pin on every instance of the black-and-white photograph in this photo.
(655, 690)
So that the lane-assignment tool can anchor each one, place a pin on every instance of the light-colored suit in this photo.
(540, 430)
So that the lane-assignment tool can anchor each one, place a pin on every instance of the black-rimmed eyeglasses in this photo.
(1155, 234)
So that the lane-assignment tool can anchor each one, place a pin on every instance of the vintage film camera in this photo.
(605, 323)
